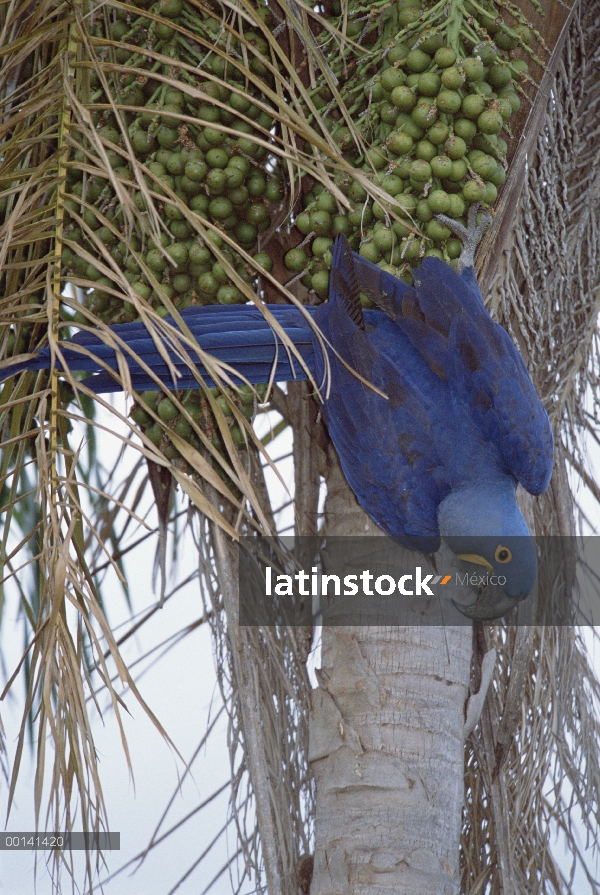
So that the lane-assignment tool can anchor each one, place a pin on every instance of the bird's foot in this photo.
(470, 236)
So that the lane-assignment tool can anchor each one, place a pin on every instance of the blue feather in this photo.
(234, 334)
(435, 439)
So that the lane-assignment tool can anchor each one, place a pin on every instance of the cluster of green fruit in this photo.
(429, 89)
(431, 99)
(211, 183)
(197, 413)
(201, 178)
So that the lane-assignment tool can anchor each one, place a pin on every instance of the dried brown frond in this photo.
(531, 768)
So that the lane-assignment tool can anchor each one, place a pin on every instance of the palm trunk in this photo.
(386, 745)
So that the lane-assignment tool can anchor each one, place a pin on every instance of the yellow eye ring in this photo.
(502, 554)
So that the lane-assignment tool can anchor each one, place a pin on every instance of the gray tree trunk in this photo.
(386, 745)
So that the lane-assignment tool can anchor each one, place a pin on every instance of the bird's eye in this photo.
(502, 554)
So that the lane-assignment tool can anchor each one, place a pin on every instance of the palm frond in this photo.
(531, 768)
(39, 467)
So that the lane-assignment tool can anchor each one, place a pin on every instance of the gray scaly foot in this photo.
(470, 236)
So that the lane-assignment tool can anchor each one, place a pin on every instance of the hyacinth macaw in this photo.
(440, 452)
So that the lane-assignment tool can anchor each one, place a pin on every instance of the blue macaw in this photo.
(437, 448)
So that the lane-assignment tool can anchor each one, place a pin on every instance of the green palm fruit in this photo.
(473, 68)
(370, 251)
(403, 98)
(167, 410)
(418, 61)
(425, 113)
(399, 143)
(499, 76)
(320, 283)
(425, 150)
(154, 433)
(441, 166)
(453, 78)
(455, 147)
(448, 101)
(423, 211)
(438, 133)
(229, 294)
(320, 245)
(409, 14)
(263, 260)
(490, 122)
(296, 260)
(320, 222)
(465, 129)
(391, 78)
(438, 201)
(420, 170)
(436, 231)
(208, 285)
(429, 84)
(473, 106)
(473, 191)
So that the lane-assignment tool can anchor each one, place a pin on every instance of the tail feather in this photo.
(236, 335)
(344, 283)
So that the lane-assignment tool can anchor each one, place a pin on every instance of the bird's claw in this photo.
(470, 236)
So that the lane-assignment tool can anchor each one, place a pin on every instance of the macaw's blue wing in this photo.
(384, 443)
(445, 320)
(485, 369)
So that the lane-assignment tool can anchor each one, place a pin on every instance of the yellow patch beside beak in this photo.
(475, 558)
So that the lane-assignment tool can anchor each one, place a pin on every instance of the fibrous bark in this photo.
(386, 745)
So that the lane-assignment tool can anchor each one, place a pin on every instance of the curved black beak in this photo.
(491, 604)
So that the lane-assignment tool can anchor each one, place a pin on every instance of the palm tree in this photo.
(369, 781)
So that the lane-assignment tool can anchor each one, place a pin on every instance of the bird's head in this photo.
(488, 534)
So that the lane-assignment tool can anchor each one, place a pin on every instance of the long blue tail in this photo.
(237, 335)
